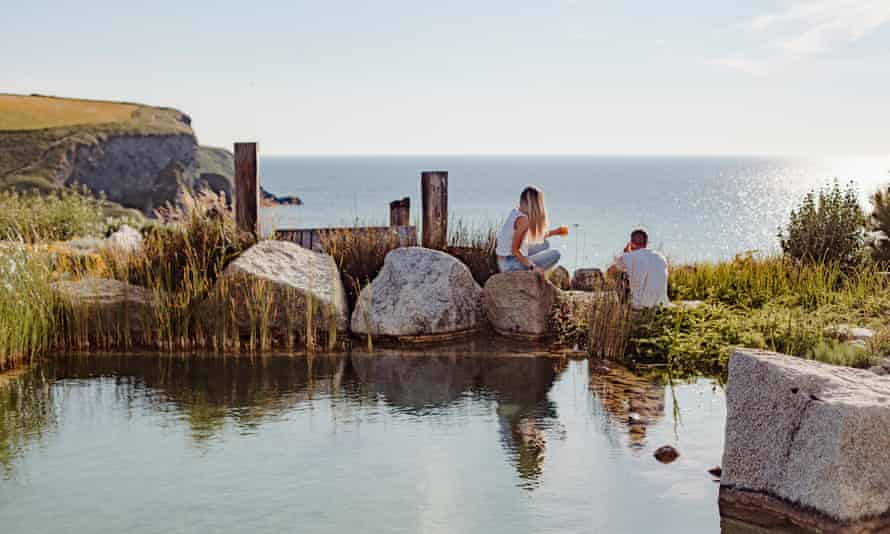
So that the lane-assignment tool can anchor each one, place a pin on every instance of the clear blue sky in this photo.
(501, 76)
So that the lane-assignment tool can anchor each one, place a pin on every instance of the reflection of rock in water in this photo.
(429, 382)
(630, 400)
(210, 390)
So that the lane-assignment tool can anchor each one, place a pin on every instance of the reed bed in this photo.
(28, 306)
(171, 296)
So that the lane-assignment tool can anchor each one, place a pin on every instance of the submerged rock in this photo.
(519, 304)
(666, 454)
(807, 433)
(419, 292)
(281, 281)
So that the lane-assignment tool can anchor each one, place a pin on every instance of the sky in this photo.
(779, 77)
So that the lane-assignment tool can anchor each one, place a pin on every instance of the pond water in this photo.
(448, 441)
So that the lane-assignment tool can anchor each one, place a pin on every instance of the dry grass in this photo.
(359, 256)
(475, 246)
(23, 112)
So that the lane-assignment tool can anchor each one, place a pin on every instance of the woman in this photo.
(522, 243)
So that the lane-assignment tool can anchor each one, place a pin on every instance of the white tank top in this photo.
(505, 236)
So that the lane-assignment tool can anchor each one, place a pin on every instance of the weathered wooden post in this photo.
(400, 212)
(434, 199)
(247, 188)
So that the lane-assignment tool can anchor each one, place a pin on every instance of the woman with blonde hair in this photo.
(522, 243)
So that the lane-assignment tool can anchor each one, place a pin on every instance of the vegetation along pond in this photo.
(382, 442)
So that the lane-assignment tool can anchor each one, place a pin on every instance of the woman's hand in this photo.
(540, 271)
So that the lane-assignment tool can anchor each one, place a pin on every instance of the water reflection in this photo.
(447, 432)
(519, 385)
(633, 402)
(27, 414)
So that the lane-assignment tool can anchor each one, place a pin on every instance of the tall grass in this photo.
(359, 256)
(475, 246)
(28, 306)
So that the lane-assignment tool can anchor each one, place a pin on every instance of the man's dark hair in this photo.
(639, 237)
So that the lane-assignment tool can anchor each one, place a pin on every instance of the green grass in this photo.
(28, 307)
(59, 215)
(216, 161)
(767, 303)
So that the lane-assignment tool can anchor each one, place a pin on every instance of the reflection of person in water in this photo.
(519, 385)
(629, 399)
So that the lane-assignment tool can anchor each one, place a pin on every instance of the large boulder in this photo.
(419, 292)
(106, 312)
(282, 281)
(519, 304)
(806, 433)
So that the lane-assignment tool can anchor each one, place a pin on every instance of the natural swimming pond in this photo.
(383, 442)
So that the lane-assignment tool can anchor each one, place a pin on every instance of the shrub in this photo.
(55, 216)
(879, 224)
(827, 226)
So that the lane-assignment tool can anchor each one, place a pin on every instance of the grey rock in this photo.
(136, 171)
(126, 239)
(846, 332)
(107, 308)
(588, 280)
(808, 433)
(419, 292)
(290, 280)
(519, 304)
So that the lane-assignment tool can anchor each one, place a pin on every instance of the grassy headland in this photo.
(36, 132)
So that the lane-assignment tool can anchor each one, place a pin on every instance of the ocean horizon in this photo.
(696, 208)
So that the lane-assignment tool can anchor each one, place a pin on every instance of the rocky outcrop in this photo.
(806, 433)
(271, 199)
(136, 171)
(419, 292)
(519, 304)
(282, 281)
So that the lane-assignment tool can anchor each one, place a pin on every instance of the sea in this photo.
(695, 208)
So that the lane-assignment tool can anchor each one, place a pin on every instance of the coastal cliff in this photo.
(137, 156)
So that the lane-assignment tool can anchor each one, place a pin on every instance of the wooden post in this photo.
(434, 193)
(247, 188)
(400, 212)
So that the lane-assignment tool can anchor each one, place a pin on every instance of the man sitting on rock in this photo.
(645, 272)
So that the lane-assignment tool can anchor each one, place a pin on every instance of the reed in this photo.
(475, 246)
(359, 256)
(28, 307)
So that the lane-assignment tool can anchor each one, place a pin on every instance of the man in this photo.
(646, 272)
